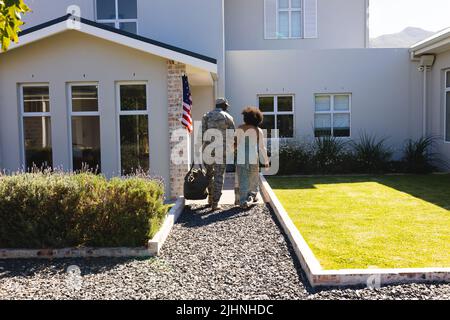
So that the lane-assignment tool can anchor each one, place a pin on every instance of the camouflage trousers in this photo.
(216, 177)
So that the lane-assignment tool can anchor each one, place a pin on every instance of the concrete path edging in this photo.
(348, 277)
(153, 248)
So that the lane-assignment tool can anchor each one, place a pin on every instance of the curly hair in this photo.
(253, 116)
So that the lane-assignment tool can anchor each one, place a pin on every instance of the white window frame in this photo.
(290, 10)
(446, 90)
(333, 112)
(277, 113)
(120, 113)
(117, 21)
(24, 115)
(72, 113)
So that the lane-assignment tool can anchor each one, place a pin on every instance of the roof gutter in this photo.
(429, 45)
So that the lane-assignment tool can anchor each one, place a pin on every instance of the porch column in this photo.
(179, 144)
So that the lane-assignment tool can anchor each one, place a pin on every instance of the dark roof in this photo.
(121, 32)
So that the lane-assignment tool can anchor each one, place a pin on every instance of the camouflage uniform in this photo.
(222, 121)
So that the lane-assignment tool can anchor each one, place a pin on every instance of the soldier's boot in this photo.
(216, 207)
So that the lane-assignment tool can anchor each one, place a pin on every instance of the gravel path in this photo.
(227, 255)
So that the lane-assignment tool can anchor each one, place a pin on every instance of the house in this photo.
(105, 89)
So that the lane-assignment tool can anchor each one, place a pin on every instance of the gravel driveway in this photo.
(226, 255)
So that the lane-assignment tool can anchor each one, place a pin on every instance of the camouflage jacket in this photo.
(219, 120)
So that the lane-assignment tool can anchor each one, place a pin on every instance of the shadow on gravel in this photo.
(301, 274)
(194, 217)
(31, 267)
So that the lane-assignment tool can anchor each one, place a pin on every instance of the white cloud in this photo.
(390, 16)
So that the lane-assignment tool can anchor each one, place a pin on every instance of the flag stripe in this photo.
(186, 121)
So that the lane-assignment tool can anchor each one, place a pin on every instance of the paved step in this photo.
(228, 196)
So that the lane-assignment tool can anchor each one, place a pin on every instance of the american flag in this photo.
(187, 105)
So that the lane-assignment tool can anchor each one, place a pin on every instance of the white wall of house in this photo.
(195, 25)
(45, 10)
(74, 57)
(341, 24)
(203, 101)
(437, 100)
(380, 80)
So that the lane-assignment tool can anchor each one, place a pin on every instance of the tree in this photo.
(11, 12)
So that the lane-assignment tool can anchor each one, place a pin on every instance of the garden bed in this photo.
(58, 215)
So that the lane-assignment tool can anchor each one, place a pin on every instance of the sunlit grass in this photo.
(362, 222)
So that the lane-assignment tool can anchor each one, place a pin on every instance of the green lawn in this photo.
(372, 221)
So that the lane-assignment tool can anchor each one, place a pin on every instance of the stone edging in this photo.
(348, 277)
(153, 248)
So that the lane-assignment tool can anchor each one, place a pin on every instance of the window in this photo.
(133, 131)
(447, 106)
(36, 126)
(332, 115)
(289, 18)
(85, 121)
(120, 14)
(278, 114)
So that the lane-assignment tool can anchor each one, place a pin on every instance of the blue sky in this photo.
(391, 16)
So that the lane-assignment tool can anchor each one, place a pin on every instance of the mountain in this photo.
(403, 39)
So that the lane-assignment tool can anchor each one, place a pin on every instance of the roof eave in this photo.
(435, 44)
(150, 46)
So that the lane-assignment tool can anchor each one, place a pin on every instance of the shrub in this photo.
(329, 154)
(56, 210)
(295, 159)
(418, 156)
(371, 154)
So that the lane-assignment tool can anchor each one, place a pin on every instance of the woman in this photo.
(251, 150)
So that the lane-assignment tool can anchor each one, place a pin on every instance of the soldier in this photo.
(221, 120)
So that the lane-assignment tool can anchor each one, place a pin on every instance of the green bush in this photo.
(418, 156)
(371, 154)
(367, 155)
(295, 159)
(330, 155)
(56, 210)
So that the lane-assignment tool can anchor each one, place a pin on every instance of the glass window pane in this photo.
(134, 143)
(323, 103)
(341, 125)
(448, 79)
(285, 124)
(129, 27)
(38, 142)
(283, 24)
(296, 4)
(342, 103)
(285, 104)
(296, 24)
(268, 124)
(341, 121)
(86, 143)
(36, 99)
(283, 4)
(133, 97)
(112, 25)
(127, 9)
(266, 104)
(322, 125)
(106, 9)
(84, 98)
(341, 132)
(447, 124)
